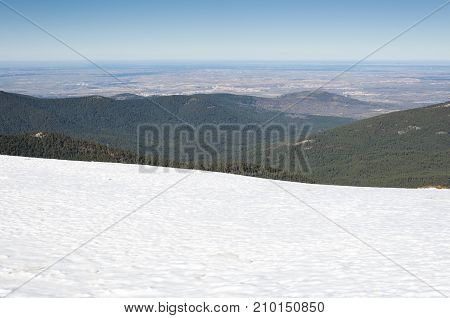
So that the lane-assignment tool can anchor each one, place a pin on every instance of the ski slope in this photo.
(213, 235)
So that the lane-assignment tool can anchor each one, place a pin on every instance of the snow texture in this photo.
(213, 235)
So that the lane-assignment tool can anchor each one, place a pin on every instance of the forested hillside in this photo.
(402, 149)
(324, 103)
(57, 146)
(114, 121)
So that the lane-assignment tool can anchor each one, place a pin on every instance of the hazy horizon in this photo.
(404, 84)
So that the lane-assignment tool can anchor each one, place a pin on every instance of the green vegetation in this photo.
(57, 146)
(113, 122)
(402, 149)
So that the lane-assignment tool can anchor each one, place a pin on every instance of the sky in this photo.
(283, 30)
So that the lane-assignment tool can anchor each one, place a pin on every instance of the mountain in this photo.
(319, 103)
(408, 148)
(399, 149)
(114, 121)
(324, 103)
(57, 146)
(125, 96)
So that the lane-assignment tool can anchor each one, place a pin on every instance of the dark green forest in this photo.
(408, 148)
(114, 122)
(57, 146)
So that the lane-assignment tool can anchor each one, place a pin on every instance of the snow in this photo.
(213, 235)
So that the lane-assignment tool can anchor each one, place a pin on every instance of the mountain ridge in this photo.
(114, 122)
(409, 148)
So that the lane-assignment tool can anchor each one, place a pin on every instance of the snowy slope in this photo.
(213, 235)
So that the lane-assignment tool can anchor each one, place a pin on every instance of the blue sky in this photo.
(224, 30)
